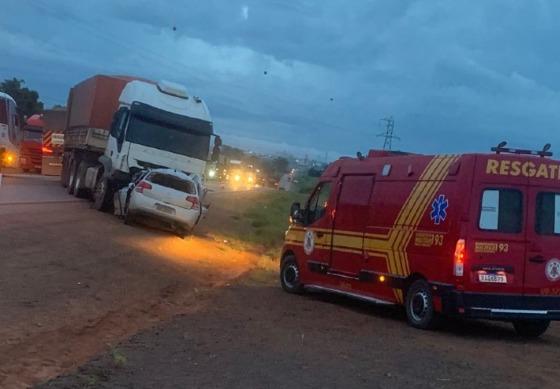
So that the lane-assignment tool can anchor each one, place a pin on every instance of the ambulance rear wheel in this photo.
(531, 328)
(419, 305)
(290, 276)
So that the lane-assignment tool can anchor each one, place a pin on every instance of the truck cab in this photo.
(159, 125)
(31, 153)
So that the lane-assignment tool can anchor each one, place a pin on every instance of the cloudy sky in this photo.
(314, 76)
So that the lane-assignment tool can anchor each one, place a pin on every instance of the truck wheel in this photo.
(531, 328)
(102, 195)
(80, 172)
(419, 306)
(289, 275)
(72, 176)
(64, 173)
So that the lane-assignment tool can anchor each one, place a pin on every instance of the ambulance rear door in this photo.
(496, 245)
(542, 266)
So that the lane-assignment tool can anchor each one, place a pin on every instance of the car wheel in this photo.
(102, 195)
(531, 328)
(419, 305)
(182, 232)
(290, 275)
(128, 218)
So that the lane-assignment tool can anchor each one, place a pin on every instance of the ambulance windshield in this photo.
(548, 214)
(318, 202)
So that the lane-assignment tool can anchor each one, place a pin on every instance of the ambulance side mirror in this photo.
(296, 215)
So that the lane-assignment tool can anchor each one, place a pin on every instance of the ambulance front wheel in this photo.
(419, 305)
(290, 276)
(531, 328)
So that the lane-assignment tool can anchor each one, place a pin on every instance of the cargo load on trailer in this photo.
(472, 235)
(118, 126)
(53, 141)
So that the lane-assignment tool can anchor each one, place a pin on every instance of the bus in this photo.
(9, 131)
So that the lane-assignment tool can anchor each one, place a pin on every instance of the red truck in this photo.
(30, 153)
(473, 235)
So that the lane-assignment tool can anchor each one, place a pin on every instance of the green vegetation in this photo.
(27, 100)
(268, 217)
(118, 357)
(306, 184)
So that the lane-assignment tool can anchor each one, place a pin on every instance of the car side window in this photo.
(318, 202)
(501, 210)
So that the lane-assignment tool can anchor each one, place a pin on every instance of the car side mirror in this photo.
(296, 214)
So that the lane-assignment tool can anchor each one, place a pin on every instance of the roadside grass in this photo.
(268, 218)
(256, 220)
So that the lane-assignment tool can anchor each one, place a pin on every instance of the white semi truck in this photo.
(119, 125)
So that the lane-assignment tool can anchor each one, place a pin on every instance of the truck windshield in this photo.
(33, 135)
(548, 214)
(165, 137)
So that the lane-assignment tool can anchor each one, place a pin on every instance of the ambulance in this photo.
(472, 235)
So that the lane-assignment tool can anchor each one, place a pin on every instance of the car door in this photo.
(350, 219)
(318, 227)
(542, 266)
(496, 248)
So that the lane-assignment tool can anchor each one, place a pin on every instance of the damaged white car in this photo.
(166, 195)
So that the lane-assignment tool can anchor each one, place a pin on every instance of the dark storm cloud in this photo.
(456, 75)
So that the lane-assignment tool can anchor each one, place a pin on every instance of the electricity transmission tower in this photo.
(388, 134)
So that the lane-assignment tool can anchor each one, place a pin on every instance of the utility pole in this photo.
(388, 134)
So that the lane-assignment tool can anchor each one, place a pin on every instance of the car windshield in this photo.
(168, 138)
(32, 135)
(172, 182)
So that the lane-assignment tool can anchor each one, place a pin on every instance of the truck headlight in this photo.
(212, 173)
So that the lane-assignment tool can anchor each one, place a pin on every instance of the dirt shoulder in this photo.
(74, 282)
(252, 334)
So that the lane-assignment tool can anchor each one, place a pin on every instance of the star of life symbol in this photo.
(309, 242)
(552, 270)
(439, 209)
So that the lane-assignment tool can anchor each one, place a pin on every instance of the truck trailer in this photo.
(118, 126)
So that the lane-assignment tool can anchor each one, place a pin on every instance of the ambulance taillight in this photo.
(459, 258)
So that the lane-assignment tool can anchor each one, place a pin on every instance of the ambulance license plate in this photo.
(493, 278)
(165, 208)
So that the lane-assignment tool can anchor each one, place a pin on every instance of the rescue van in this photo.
(474, 235)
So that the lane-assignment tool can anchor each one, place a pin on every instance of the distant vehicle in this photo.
(53, 141)
(473, 235)
(120, 125)
(31, 154)
(10, 136)
(163, 194)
